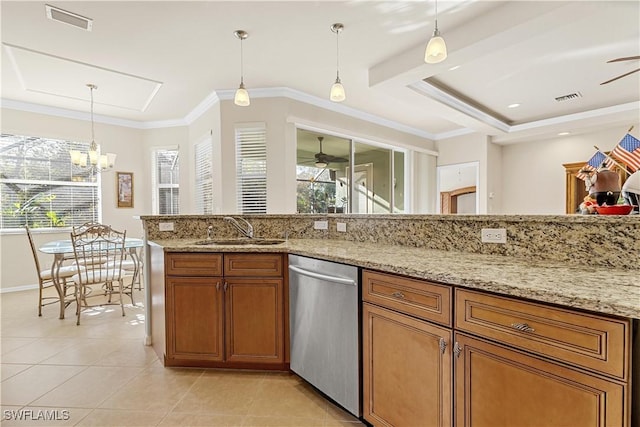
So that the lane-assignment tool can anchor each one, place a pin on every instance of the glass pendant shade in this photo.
(337, 92)
(242, 97)
(436, 50)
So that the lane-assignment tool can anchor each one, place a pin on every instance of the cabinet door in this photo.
(254, 320)
(407, 370)
(194, 318)
(497, 386)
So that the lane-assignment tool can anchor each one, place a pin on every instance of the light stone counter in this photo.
(600, 289)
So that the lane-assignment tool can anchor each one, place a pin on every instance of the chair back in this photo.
(98, 250)
(33, 251)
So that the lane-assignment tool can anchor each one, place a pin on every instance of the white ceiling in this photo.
(156, 62)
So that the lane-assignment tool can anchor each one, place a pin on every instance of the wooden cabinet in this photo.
(224, 310)
(407, 360)
(500, 361)
(532, 364)
(499, 386)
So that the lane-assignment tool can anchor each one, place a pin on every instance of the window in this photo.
(316, 190)
(166, 182)
(39, 186)
(251, 169)
(340, 175)
(204, 177)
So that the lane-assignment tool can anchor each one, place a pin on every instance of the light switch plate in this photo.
(494, 235)
(320, 225)
(165, 226)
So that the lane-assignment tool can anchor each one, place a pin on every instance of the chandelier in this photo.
(93, 160)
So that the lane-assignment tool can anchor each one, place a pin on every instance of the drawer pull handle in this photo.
(398, 294)
(217, 286)
(522, 327)
(457, 349)
(443, 345)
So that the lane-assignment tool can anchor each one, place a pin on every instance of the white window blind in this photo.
(204, 177)
(166, 182)
(251, 169)
(40, 187)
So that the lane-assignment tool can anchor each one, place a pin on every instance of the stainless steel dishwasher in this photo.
(323, 303)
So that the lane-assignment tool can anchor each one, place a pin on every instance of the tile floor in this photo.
(99, 373)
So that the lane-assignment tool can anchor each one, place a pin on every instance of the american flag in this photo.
(594, 164)
(628, 151)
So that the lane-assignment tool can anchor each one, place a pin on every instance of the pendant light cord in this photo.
(436, 27)
(241, 63)
(93, 146)
(92, 127)
(337, 54)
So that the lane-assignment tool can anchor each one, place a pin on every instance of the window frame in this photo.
(157, 186)
(253, 141)
(77, 178)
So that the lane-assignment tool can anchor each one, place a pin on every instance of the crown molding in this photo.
(223, 95)
(82, 115)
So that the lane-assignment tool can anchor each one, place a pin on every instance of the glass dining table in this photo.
(62, 250)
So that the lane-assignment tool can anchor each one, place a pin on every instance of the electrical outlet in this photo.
(320, 225)
(165, 226)
(494, 235)
(341, 227)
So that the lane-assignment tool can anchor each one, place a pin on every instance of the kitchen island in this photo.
(559, 314)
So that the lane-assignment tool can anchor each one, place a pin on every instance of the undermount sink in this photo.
(254, 241)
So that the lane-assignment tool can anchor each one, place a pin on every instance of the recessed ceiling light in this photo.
(564, 133)
(516, 105)
(455, 67)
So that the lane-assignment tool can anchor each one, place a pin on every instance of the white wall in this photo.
(526, 178)
(466, 149)
(282, 115)
(534, 178)
(15, 256)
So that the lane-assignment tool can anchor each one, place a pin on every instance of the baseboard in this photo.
(18, 289)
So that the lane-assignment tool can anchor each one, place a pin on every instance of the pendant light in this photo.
(337, 90)
(95, 161)
(436, 50)
(242, 96)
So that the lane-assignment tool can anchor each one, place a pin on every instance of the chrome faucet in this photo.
(246, 231)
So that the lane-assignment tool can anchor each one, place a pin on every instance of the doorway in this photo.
(457, 189)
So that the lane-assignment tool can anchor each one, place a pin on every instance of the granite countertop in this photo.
(598, 289)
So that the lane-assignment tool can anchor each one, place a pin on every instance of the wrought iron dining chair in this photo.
(98, 251)
(46, 280)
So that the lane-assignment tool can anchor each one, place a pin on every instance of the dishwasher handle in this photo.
(320, 276)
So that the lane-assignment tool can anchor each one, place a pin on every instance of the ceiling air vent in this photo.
(70, 18)
(569, 97)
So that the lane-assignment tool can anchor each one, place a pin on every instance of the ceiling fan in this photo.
(323, 160)
(628, 58)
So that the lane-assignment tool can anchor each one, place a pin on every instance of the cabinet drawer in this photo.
(193, 264)
(581, 339)
(256, 265)
(418, 298)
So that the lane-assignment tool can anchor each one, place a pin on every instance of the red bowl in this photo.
(614, 210)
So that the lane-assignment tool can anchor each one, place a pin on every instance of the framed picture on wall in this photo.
(124, 184)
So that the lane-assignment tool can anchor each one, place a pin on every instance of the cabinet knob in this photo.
(457, 349)
(398, 294)
(522, 327)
